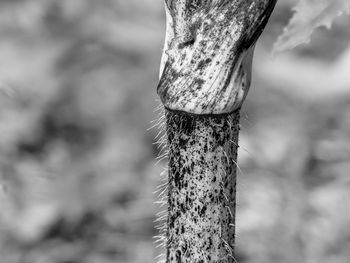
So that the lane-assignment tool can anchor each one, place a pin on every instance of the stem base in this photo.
(202, 187)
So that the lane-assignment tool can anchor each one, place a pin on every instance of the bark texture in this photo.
(202, 187)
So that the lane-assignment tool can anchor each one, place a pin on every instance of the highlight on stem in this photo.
(205, 75)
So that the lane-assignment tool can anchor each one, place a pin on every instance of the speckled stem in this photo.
(208, 51)
(205, 75)
(201, 187)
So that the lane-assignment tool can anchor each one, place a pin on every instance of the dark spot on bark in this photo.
(226, 184)
(183, 141)
(199, 82)
(185, 183)
(203, 63)
(187, 199)
(186, 170)
(171, 222)
(210, 243)
(231, 191)
(188, 42)
(187, 125)
(183, 208)
(202, 211)
(192, 166)
(178, 179)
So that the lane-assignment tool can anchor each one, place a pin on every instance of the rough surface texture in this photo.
(201, 187)
(206, 64)
(205, 77)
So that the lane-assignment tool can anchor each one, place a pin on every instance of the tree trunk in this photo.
(205, 77)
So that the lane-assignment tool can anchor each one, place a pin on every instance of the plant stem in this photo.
(202, 186)
(205, 76)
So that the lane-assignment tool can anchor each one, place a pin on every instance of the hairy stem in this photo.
(202, 186)
(205, 76)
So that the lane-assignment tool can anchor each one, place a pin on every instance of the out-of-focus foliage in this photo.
(76, 160)
(309, 15)
(77, 163)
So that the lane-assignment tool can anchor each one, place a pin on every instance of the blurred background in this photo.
(78, 163)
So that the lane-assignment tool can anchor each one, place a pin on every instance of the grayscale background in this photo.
(77, 161)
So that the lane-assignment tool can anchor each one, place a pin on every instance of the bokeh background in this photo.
(78, 162)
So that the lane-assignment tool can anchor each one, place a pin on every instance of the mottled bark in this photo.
(204, 78)
(202, 186)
